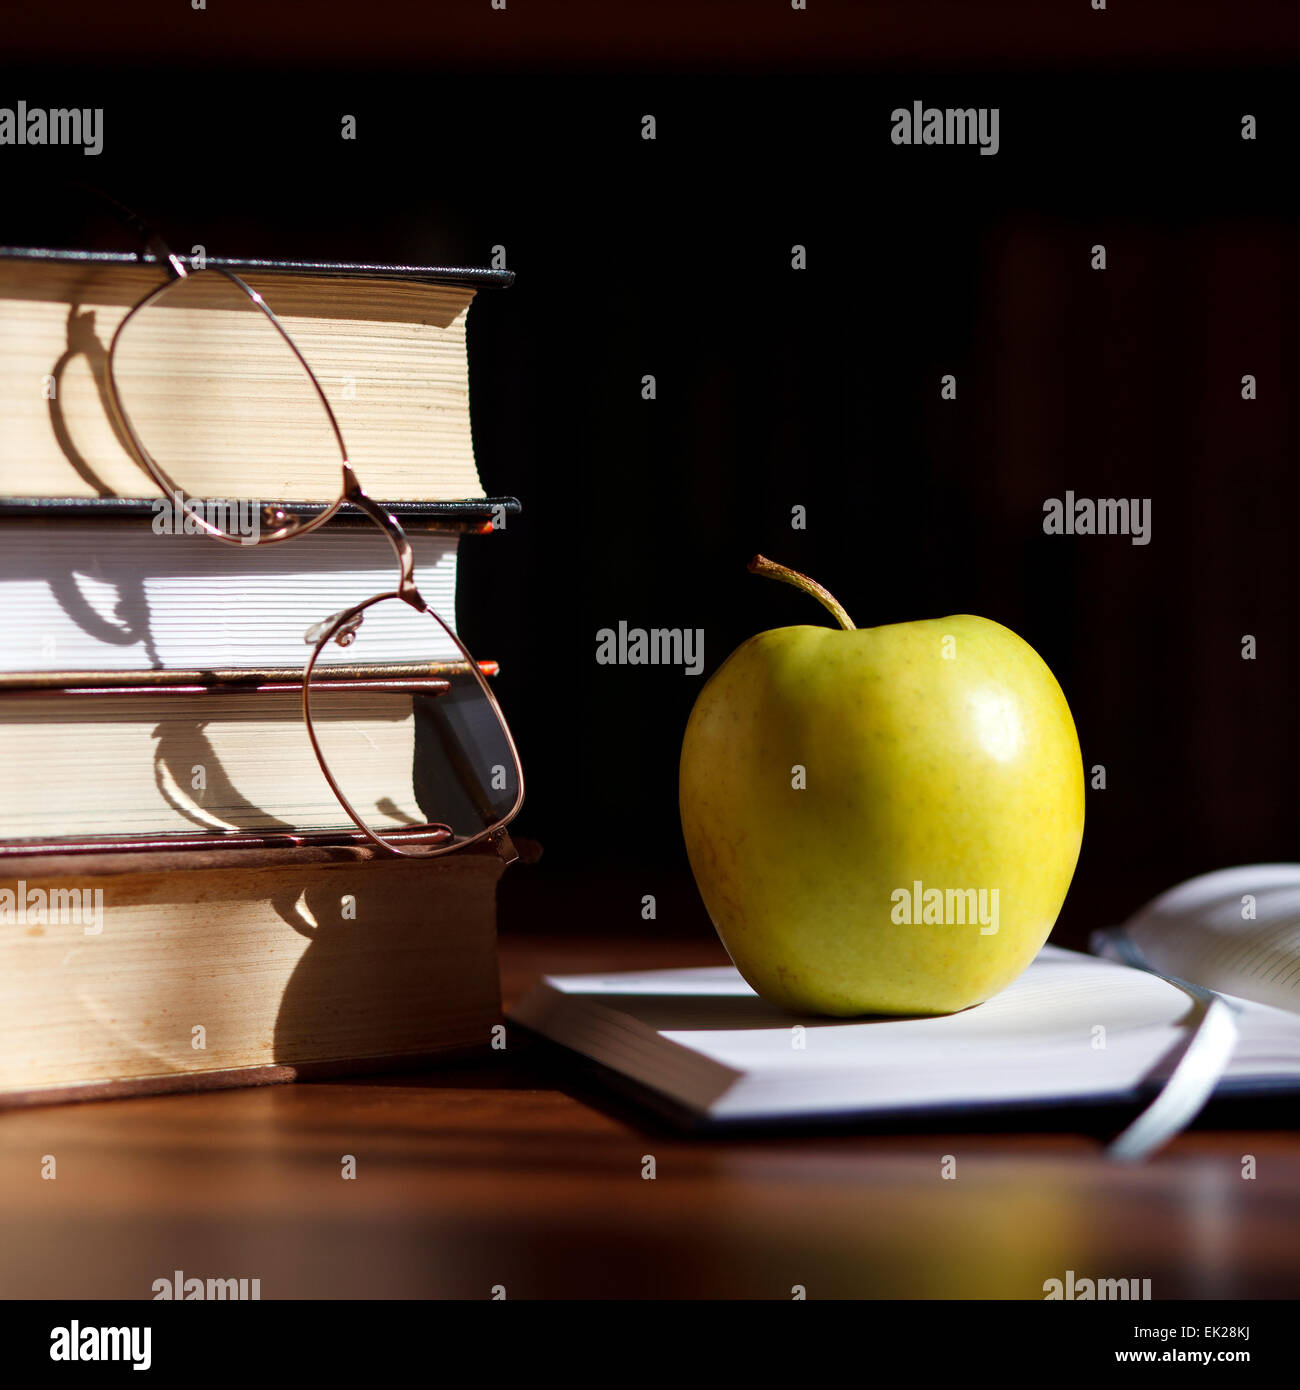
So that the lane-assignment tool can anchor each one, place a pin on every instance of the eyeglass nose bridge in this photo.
(392, 529)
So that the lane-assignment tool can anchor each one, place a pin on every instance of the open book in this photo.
(1073, 1028)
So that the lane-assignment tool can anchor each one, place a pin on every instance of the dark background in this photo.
(778, 387)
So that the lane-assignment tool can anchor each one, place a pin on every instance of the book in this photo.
(89, 596)
(387, 344)
(1073, 1029)
(129, 973)
(180, 760)
(93, 597)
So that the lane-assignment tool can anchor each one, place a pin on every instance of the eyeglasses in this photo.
(421, 767)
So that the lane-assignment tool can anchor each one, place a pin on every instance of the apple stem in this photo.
(760, 564)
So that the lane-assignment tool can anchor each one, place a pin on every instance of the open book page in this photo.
(1236, 931)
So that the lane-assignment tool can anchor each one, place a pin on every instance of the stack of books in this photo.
(183, 900)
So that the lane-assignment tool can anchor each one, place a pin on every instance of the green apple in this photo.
(881, 820)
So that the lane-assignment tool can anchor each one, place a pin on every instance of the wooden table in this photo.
(509, 1169)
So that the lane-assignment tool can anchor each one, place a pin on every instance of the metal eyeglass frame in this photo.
(341, 627)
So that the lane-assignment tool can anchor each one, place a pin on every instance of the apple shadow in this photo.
(702, 1013)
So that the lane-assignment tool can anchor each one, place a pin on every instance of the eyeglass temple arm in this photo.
(389, 525)
(151, 240)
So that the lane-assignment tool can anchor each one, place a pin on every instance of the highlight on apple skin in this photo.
(881, 820)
